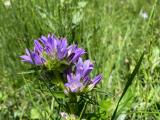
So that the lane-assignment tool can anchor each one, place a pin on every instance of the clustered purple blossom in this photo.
(79, 80)
(57, 49)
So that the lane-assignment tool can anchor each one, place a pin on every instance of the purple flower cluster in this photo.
(79, 80)
(33, 57)
(56, 49)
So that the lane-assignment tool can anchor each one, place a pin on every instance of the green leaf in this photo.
(59, 94)
(107, 106)
(82, 4)
(27, 72)
(129, 82)
(35, 114)
(77, 17)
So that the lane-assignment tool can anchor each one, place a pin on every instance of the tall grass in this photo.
(114, 33)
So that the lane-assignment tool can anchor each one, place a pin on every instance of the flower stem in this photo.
(73, 104)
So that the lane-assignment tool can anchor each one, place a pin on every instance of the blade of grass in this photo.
(129, 82)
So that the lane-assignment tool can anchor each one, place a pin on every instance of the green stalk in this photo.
(73, 104)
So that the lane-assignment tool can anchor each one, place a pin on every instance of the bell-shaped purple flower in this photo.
(84, 68)
(74, 83)
(61, 48)
(74, 53)
(96, 80)
(50, 44)
(71, 50)
(38, 48)
(33, 58)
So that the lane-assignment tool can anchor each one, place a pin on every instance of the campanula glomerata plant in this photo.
(65, 61)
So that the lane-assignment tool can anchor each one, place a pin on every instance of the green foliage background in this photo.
(113, 32)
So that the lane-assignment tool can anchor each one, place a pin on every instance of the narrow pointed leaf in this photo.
(129, 82)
